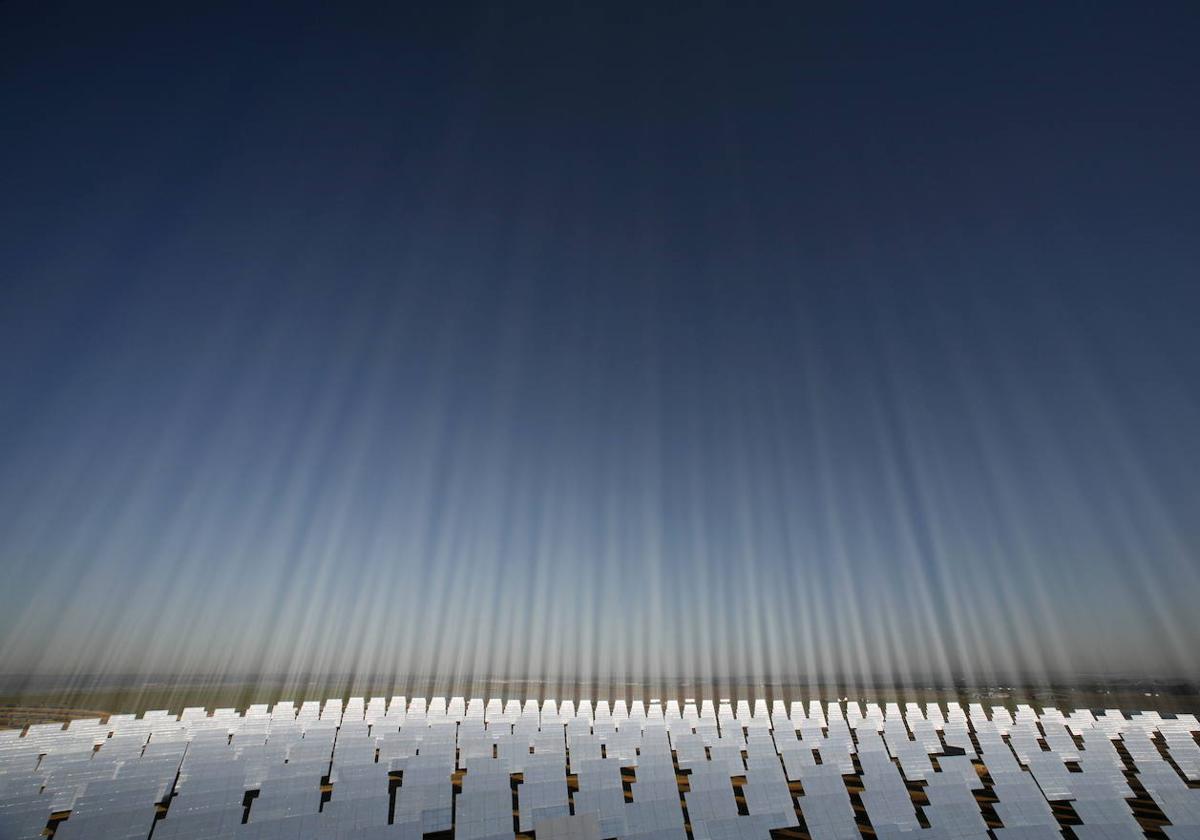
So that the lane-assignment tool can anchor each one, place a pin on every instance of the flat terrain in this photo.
(29, 699)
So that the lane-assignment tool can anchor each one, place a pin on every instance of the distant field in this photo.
(32, 704)
(18, 717)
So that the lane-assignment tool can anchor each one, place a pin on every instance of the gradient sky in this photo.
(783, 339)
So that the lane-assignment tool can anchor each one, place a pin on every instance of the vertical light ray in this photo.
(543, 354)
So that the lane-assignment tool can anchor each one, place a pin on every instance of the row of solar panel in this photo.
(426, 788)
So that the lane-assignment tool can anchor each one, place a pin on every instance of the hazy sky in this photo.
(761, 339)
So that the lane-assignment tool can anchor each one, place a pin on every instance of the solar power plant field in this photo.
(407, 768)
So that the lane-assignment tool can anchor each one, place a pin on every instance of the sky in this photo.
(600, 341)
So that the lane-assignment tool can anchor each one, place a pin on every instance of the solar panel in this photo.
(607, 805)
(579, 827)
(484, 813)
(283, 754)
(653, 817)
(1028, 832)
(768, 796)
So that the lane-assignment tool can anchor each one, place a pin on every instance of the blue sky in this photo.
(852, 340)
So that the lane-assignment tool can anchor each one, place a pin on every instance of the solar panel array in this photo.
(400, 768)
